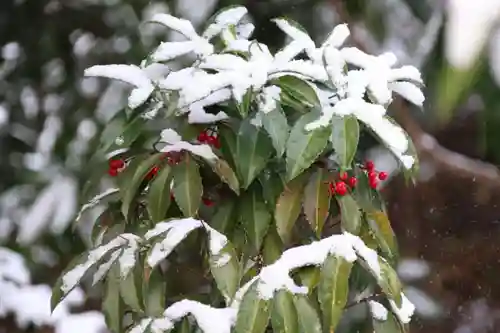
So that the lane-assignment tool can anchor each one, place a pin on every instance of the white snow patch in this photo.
(405, 312)
(204, 151)
(379, 312)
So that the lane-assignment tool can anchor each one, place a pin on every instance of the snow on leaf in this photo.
(268, 98)
(13, 267)
(204, 151)
(128, 258)
(408, 91)
(95, 201)
(337, 37)
(379, 312)
(223, 20)
(405, 312)
(131, 74)
(170, 50)
(103, 269)
(180, 25)
(170, 136)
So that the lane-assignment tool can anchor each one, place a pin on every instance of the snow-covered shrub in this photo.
(231, 175)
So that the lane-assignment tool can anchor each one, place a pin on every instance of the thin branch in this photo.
(373, 297)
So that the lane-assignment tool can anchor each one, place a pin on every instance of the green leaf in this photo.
(380, 225)
(284, 314)
(226, 174)
(131, 287)
(225, 270)
(188, 187)
(253, 150)
(304, 147)
(345, 138)
(112, 305)
(366, 198)
(244, 106)
(317, 200)
(159, 195)
(272, 186)
(390, 325)
(227, 139)
(130, 185)
(299, 89)
(309, 277)
(254, 216)
(154, 292)
(277, 128)
(389, 282)
(350, 214)
(253, 313)
(273, 246)
(57, 294)
(224, 218)
(309, 321)
(127, 130)
(411, 174)
(288, 208)
(333, 290)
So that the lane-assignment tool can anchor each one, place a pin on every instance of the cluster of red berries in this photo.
(210, 139)
(373, 175)
(341, 187)
(115, 166)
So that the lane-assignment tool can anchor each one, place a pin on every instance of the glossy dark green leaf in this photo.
(273, 246)
(350, 214)
(159, 195)
(227, 138)
(121, 132)
(345, 138)
(317, 200)
(304, 147)
(226, 174)
(100, 199)
(380, 225)
(253, 150)
(254, 216)
(389, 282)
(112, 305)
(288, 207)
(284, 314)
(272, 186)
(131, 287)
(57, 294)
(299, 89)
(333, 290)
(253, 313)
(277, 128)
(188, 188)
(130, 186)
(309, 277)
(244, 106)
(309, 321)
(225, 217)
(225, 270)
(154, 291)
(366, 198)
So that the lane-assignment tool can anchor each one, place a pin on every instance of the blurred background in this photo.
(447, 224)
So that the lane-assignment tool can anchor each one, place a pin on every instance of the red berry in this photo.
(216, 142)
(203, 137)
(152, 172)
(341, 188)
(116, 164)
(207, 202)
(343, 176)
(171, 196)
(331, 187)
(373, 183)
(353, 181)
(372, 175)
(113, 172)
(212, 140)
(383, 175)
(369, 165)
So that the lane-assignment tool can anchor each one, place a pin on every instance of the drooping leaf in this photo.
(227, 138)
(309, 321)
(380, 225)
(345, 138)
(253, 150)
(333, 290)
(225, 270)
(112, 305)
(131, 287)
(132, 180)
(390, 325)
(188, 187)
(159, 195)
(389, 282)
(226, 174)
(253, 313)
(277, 128)
(57, 294)
(304, 147)
(317, 201)
(121, 132)
(299, 89)
(273, 246)
(254, 216)
(288, 207)
(350, 214)
(154, 291)
(272, 186)
(412, 173)
(284, 314)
